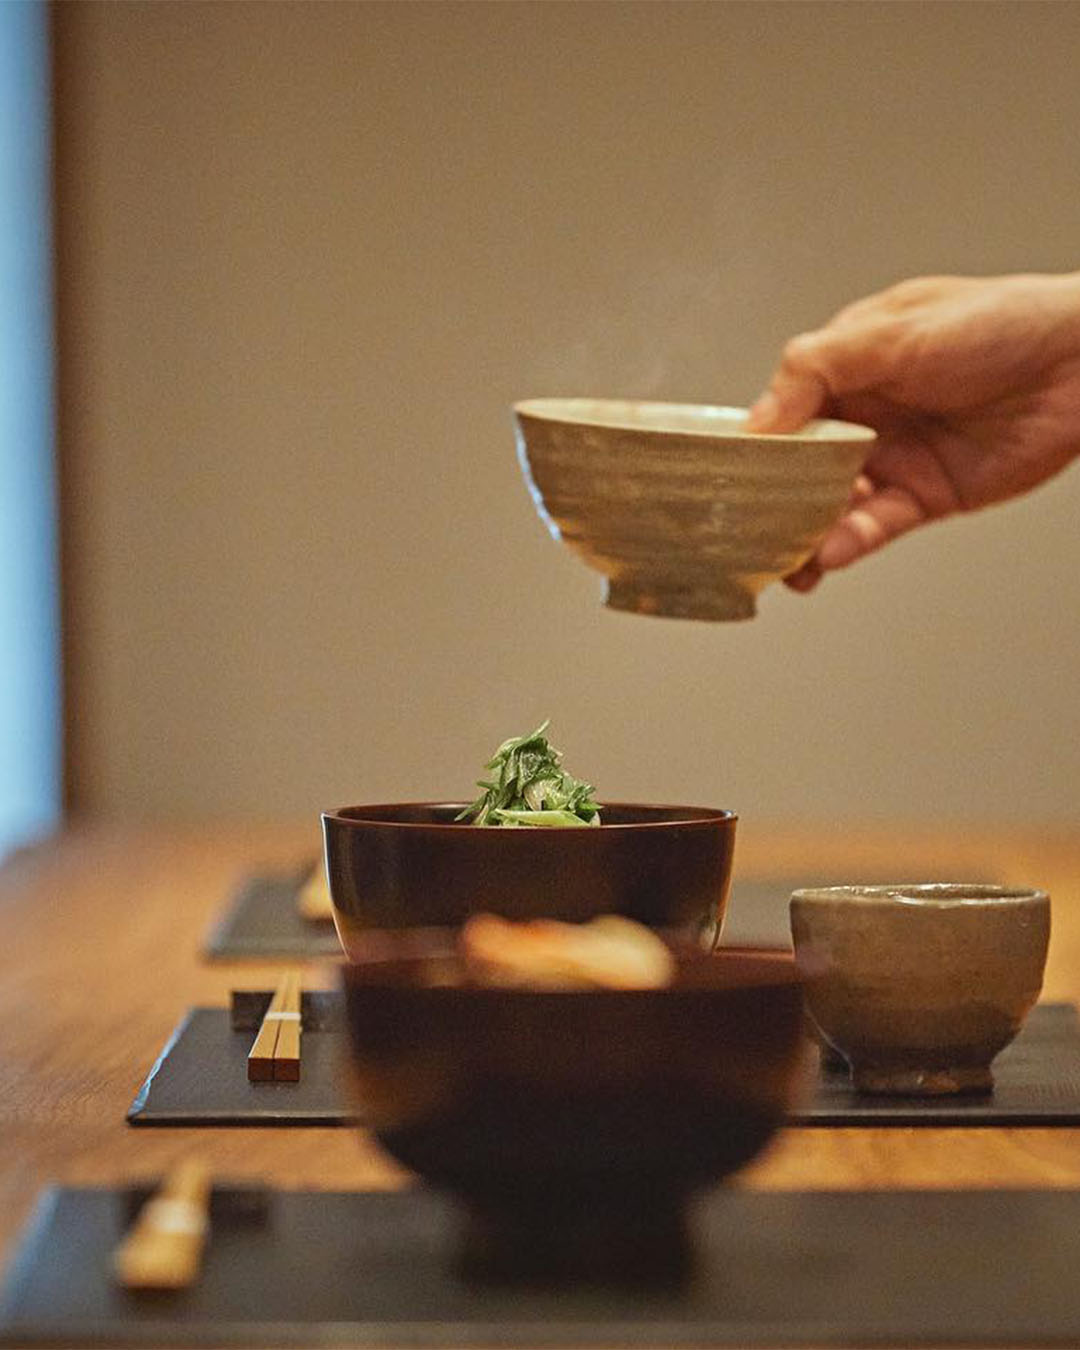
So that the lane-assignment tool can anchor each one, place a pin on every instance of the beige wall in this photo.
(310, 255)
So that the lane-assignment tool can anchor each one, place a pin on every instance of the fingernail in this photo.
(806, 578)
(764, 412)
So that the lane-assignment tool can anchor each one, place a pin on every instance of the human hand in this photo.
(972, 384)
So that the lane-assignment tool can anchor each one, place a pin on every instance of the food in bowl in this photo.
(313, 898)
(411, 865)
(529, 787)
(608, 952)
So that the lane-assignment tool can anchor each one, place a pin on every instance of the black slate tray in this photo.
(916, 1268)
(1036, 1082)
(201, 1078)
(262, 923)
(757, 910)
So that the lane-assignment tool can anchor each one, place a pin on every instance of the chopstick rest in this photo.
(163, 1248)
(275, 1054)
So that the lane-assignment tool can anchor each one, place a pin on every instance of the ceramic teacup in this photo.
(686, 513)
(920, 986)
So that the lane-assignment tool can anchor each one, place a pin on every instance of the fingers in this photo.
(795, 395)
(875, 520)
(806, 578)
(860, 490)
(843, 358)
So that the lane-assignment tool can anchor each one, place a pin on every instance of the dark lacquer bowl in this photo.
(410, 865)
(575, 1126)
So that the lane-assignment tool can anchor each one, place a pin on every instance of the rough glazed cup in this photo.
(919, 987)
(685, 513)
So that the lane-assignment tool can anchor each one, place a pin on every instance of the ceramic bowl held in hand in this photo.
(919, 987)
(574, 1125)
(412, 865)
(684, 512)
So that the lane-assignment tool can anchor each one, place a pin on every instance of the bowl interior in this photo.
(714, 421)
(921, 893)
(613, 814)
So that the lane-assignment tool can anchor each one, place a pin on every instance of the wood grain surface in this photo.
(100, 936)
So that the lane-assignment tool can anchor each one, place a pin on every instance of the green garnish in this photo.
(531, 789)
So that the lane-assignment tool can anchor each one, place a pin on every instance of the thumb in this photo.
(791, 399)
(814, 368)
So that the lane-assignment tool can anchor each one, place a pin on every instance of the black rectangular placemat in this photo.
(915, 1268)
(757, 910)
(262, 922)
(1036, 1082)
(201, 1079)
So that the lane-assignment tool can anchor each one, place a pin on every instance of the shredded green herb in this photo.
(528, 787)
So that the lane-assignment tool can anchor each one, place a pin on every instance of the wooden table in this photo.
(100, 933)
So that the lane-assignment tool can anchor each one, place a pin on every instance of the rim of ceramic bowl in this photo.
(623, 415)
(936, 893)
(675, 817)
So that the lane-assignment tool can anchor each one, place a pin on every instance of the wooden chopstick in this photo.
(275, 1054)
(163, 1248)
(287, 1050)
(260, 1062)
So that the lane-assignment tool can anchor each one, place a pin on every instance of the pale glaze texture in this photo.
(685, 513)
(919, 987)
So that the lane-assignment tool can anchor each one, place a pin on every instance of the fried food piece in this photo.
(313, 901)
(608, 952)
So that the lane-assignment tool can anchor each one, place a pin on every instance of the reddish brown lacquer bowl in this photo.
(409, 865)
(574, 1126)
